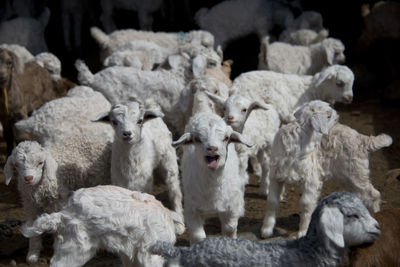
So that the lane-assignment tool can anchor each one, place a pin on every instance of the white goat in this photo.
(287, 92)
(227, 21)
(110, 43)
(211, 180)
(163, 86)
(142, 145)
(45, 175)
(107, 217)
(303, 60)
(256, 121)
(67, 116)
(340, 221)
(294, 159)
(344, 155)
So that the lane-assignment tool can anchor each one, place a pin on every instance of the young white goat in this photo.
(295, 160)
(107, 217)
(340, 221)
(211, 179)
(141, 146)
(256, 121)
(287, 92)
(45, 175)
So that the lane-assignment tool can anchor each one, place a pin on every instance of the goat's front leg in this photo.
(195, 226)
(308, 202)
(275, 190)
(229, 223)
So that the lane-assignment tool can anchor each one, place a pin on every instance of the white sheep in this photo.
(228, 21)
(340, 221)
(67, 116)
(256, 121)
(108, 217)
(140, 54)
(142, 145)
(26, 31)
(45, 175)
(296, 59)
(163, 86)
(294, 160)
(344, 157)
(287, 92)
(212, 185)
(117, 39)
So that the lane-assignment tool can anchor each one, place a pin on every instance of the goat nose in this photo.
(28, 178)
(349, 98)
(212, 148)
(127, 133)
(230, 118)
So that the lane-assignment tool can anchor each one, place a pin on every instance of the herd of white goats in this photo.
(115, 132)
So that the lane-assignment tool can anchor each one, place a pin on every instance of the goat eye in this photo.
(340, 83)
(353, 216)
(216, 92)
(114, 122)
(211, 64)
(226, 139)
(244, 110)
(140, 122)
(40, 163)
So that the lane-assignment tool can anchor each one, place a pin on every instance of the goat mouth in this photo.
(212, 161)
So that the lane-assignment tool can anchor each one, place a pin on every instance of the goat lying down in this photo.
(339, 221)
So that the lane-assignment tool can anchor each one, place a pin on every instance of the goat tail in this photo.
(85, 76)
(101, 37)
(377, 142)
(44, 223)
(166, 250)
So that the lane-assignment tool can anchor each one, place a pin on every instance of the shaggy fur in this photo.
(107, 217)
(45, 175)
(256, 121)
(163, 86)
(303, 60)
(212, 185)
(344, 156)
(27, 87)
(287, 92)
(110, 43)
(340, 220)
(20, 51)
(294, 160)
(67, 116)
(142, 145)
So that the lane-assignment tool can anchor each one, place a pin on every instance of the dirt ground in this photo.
(366, 114)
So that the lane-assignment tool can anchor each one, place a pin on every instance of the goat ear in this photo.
(323, 76)
(152, 114)
(238, 138)
(104, 116)
(219, 101)
(257, 105)
(174, 61)
(18, 64)
(264, 48)
(9, 168)
(185, 139)
(330, 54)
(50, 167)
(219, 52)
(198, 65)
(331, 225)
